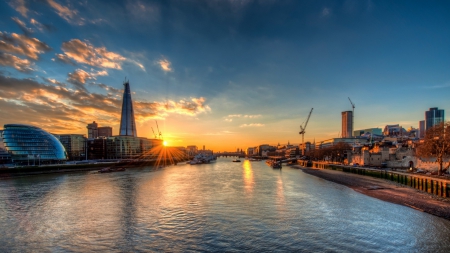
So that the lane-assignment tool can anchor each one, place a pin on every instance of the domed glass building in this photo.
(25, 143)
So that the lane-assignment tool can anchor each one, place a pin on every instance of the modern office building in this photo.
(27, 143)
(127, 123)
(105, 131)
(92, 130)
(433, 117)
(75, 145)
(5, 157)
(347, 124)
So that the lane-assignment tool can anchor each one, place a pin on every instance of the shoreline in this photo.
(386, 190)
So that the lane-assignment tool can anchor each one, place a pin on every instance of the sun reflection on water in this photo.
(248, 176)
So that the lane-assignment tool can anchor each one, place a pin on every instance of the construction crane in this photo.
(154, 133)
(353, 113)
(159, 132)
(303, 128)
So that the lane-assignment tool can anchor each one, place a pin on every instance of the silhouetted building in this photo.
(433, 117)
(127, 123)
(92, 130)
(105, 131)
(347, 124)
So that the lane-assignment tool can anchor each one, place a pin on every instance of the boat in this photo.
(276, 165)
(105, 170)
(236, 161)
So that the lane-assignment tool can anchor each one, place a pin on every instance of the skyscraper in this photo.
(433, 117)
(421, 129)
(347, 124)
(127, 123)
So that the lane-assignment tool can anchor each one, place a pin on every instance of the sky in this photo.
(226, 74)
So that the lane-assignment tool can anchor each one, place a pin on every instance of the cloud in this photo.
(446, 85)
(22, 45)
(326, 12)
(84, 52)
(66, 13)
(165, 65)
(22, 65)
(252, 125)
(65, 110)
(64, 59)
(230, 117)
(79, 77)
(42, 27)
(19, 6)
(27, 31)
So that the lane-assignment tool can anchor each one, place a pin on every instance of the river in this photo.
(223, 206)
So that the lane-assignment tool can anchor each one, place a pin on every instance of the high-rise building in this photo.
(127, 123)
(92, 130)
(105, 131)
(421, 129)
(347, 124)
(433, 117)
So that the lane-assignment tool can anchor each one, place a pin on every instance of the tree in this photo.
(436, 144)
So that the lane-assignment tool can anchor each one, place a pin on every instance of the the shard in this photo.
(127, 123)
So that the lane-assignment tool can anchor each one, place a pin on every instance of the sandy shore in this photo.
(387, 191)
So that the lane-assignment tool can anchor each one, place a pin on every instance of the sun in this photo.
(165, 143)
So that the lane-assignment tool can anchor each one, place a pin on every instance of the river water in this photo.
(223, 206)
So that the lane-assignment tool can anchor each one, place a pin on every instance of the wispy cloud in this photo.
(22, 45)
(69, 14)
(230, 117)
(165, 65)
(79, 77)
(84, 52)
(22, 65)
(27, 31)
(326, 12)
(19, 6)
(252, 125)
(28, 101)
(438, 86)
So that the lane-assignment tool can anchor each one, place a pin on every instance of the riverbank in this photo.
(386, 190)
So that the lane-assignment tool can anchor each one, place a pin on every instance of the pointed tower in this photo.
(127, 123)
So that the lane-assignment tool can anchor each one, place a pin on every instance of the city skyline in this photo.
(224, 74)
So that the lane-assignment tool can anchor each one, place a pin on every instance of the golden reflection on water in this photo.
(248, 176)
(281, 201)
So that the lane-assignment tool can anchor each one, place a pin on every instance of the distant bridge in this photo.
(231, 154)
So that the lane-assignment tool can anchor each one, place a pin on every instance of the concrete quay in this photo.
(438, 186)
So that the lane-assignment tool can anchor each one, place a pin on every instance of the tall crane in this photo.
(159, 132)
(353, 113)
(154, 133)
(303, 128)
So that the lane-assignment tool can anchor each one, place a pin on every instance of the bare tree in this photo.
(436, 144)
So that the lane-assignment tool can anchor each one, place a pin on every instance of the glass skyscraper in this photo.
(25, 142)
(127, 123)
(433, 117)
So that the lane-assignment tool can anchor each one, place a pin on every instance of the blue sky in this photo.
(223, 73)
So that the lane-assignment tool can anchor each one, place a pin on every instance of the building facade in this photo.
(105, 131)
(347, 124)
(433, 117)
(127, 122)
(75, 145)
(92, 130)
(422, 129)
(27, 143)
